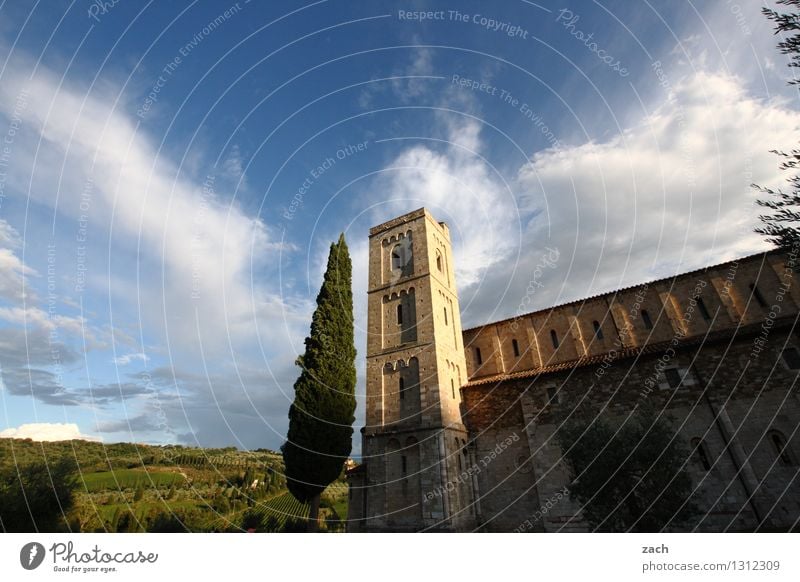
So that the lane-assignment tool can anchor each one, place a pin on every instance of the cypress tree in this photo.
(322, 414)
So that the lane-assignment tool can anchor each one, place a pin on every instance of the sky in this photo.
(172, 175)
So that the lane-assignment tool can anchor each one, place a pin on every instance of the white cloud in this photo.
(450, 177)
(669, 194)
(13, 272)
(182, 251)
(47, 431)
(204, 244)
(126, 359)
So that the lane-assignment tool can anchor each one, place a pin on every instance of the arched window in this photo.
(780, 448)
(478, 357)
(402, 388)
(703, 310)
(598, 331)
(648, 323)
(674, 377)
(400, 314)
(397, 257)
(757, 294)
(700, 454)
(439, 261)
(445, 315)
(554, 338)
(515, 347)
(791, 357)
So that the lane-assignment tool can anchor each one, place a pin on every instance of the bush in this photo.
(252, 520)
(37, 496)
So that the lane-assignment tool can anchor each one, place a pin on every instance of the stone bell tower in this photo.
(414, 442)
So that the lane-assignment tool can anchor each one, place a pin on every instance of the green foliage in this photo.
(36, 496)
(211, 495)
(129, 478)
(294, 526)
(780, 227)
(628, 476)
(320, 433)
(174, 520)
(252, 520)
(221, 504)
(126, 522)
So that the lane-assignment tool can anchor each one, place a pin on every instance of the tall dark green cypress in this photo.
(322, 414)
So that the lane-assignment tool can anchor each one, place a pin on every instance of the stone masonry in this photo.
(459, 424)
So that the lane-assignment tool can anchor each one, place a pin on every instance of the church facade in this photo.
(460, 424)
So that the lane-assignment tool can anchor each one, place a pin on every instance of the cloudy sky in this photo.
(171, 176)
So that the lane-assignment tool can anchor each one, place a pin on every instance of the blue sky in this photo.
(171, 175)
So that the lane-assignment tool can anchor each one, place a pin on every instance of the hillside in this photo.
(125, 487)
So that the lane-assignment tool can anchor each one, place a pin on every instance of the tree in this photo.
(780, 227)
(628, 476)
(322, 414)
(36, 496)
(252, 520)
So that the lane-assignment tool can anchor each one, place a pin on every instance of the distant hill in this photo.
(131, 487)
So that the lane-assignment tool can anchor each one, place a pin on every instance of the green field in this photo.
(277, 511)
(121, 479)
(126, 487)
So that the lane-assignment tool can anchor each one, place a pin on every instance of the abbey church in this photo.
(460, 424)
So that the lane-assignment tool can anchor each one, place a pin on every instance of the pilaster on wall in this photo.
(533, 342)
(673, 310)
(729, 297)
(497, 351)
(625, 328)
(786, 276)
(577, 335)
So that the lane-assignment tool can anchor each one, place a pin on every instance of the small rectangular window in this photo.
(757, 294)
(515, 347)
(791, 357)
(399, 315)
(598, 331)
(552, 394)
(782, 452)
(701, 456)
(404, 463)
(478, 357)
(554, 338)
(703, 310)
(673, 377)
(648, 323)
(445, 315)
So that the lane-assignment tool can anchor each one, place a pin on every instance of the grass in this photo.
(337, 495)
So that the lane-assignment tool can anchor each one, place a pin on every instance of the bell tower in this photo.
(414, 441)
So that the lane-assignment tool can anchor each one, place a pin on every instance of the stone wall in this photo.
(731, 399)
